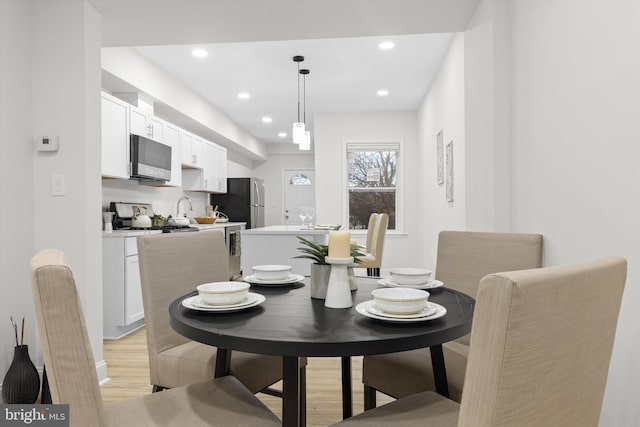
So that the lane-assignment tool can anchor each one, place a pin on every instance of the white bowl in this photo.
(410, 276)
(400, 300)
(272, 272)
(223, 293)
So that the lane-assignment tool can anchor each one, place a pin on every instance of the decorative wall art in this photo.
(439, 159)
(450, 172)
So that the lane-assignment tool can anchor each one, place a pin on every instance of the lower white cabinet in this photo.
(123, 311)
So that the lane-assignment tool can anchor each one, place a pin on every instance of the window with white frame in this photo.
(372, 182)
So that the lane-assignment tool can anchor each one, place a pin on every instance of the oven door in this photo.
(233, 241)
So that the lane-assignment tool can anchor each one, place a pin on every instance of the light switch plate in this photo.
(57, 185)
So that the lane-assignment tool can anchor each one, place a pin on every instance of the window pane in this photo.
(372, 179)
(363, 203)
(372, 169)
(299, 180)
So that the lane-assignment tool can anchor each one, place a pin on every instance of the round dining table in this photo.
(291, 324)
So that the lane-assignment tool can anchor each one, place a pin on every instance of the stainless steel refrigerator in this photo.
(244, 201)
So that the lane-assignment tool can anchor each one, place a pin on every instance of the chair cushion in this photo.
(220, 402)
(194, 362)
(422, 409)
(409, 372)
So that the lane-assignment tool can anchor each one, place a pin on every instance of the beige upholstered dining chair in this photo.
(171, 266)
(463, 259)
(73, 380)
(376, 231)
(541, 344)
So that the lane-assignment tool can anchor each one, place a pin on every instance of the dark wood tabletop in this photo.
(291, 324)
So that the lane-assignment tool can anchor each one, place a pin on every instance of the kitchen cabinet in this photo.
(123, 311)
(145, 124)
(171, 136)
(210, 178)
(221, 170)
(115, 137)
(192, 150)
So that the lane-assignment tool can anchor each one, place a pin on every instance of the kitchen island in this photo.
(277, 244)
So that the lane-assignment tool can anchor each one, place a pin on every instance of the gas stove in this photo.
(123, 212)
(165, 228)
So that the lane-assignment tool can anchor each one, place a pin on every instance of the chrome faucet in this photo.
(178, 207)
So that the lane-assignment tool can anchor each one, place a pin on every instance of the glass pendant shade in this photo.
(298, 132)
(305, 144)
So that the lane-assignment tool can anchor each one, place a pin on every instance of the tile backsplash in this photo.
(163, 199)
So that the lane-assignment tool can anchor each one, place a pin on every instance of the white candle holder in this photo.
(352, 276)
(339, 290)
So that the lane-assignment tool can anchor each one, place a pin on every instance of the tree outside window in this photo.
(372, 180)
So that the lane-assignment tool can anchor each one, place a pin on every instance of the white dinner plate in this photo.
(429, 285)
(293, 278)
(195, 303)
(363, 308)
(429, 310)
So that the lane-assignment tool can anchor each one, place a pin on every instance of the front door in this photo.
(299, 196)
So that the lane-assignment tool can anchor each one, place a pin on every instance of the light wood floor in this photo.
(128, 369)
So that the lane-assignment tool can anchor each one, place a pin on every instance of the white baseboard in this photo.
(101, 369)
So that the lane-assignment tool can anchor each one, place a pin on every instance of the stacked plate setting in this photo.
(223, 297)
(417, 278)
(401, 305)
(272, 275)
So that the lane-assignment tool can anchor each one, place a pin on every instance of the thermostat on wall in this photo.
(47, 143)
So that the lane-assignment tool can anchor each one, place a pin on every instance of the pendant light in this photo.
(298, 127)
(305, 142)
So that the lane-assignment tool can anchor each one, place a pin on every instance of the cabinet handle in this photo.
(205, 183)
(194, 159)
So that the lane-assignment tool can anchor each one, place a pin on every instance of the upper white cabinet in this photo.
(196, 164)
(210, 178)
(221, 170)
(145, 124)
(115, 137)
(192, 150)
(171, 136)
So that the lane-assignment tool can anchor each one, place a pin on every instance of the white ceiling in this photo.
(345, 75)
(251, 44)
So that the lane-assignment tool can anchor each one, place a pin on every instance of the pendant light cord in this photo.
(298, 92)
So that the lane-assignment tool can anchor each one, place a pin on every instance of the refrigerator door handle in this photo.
(255, 185)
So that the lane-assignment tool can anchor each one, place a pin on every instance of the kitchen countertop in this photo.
(284, 230)
(134, 233)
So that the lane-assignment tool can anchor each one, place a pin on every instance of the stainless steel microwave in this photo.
(150, 160)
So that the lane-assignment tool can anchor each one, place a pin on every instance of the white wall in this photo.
(66, 104)
(16, 177)
(280, 157)
(331, 132)
(442, 110)
(575, 130)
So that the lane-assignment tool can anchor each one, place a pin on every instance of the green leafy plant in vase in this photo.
(320, 269)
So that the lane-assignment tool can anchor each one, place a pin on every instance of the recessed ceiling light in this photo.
(244, 95)
(382, 92)
(282, 134)
(199, 53)
(267, 119)
(386, 45)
